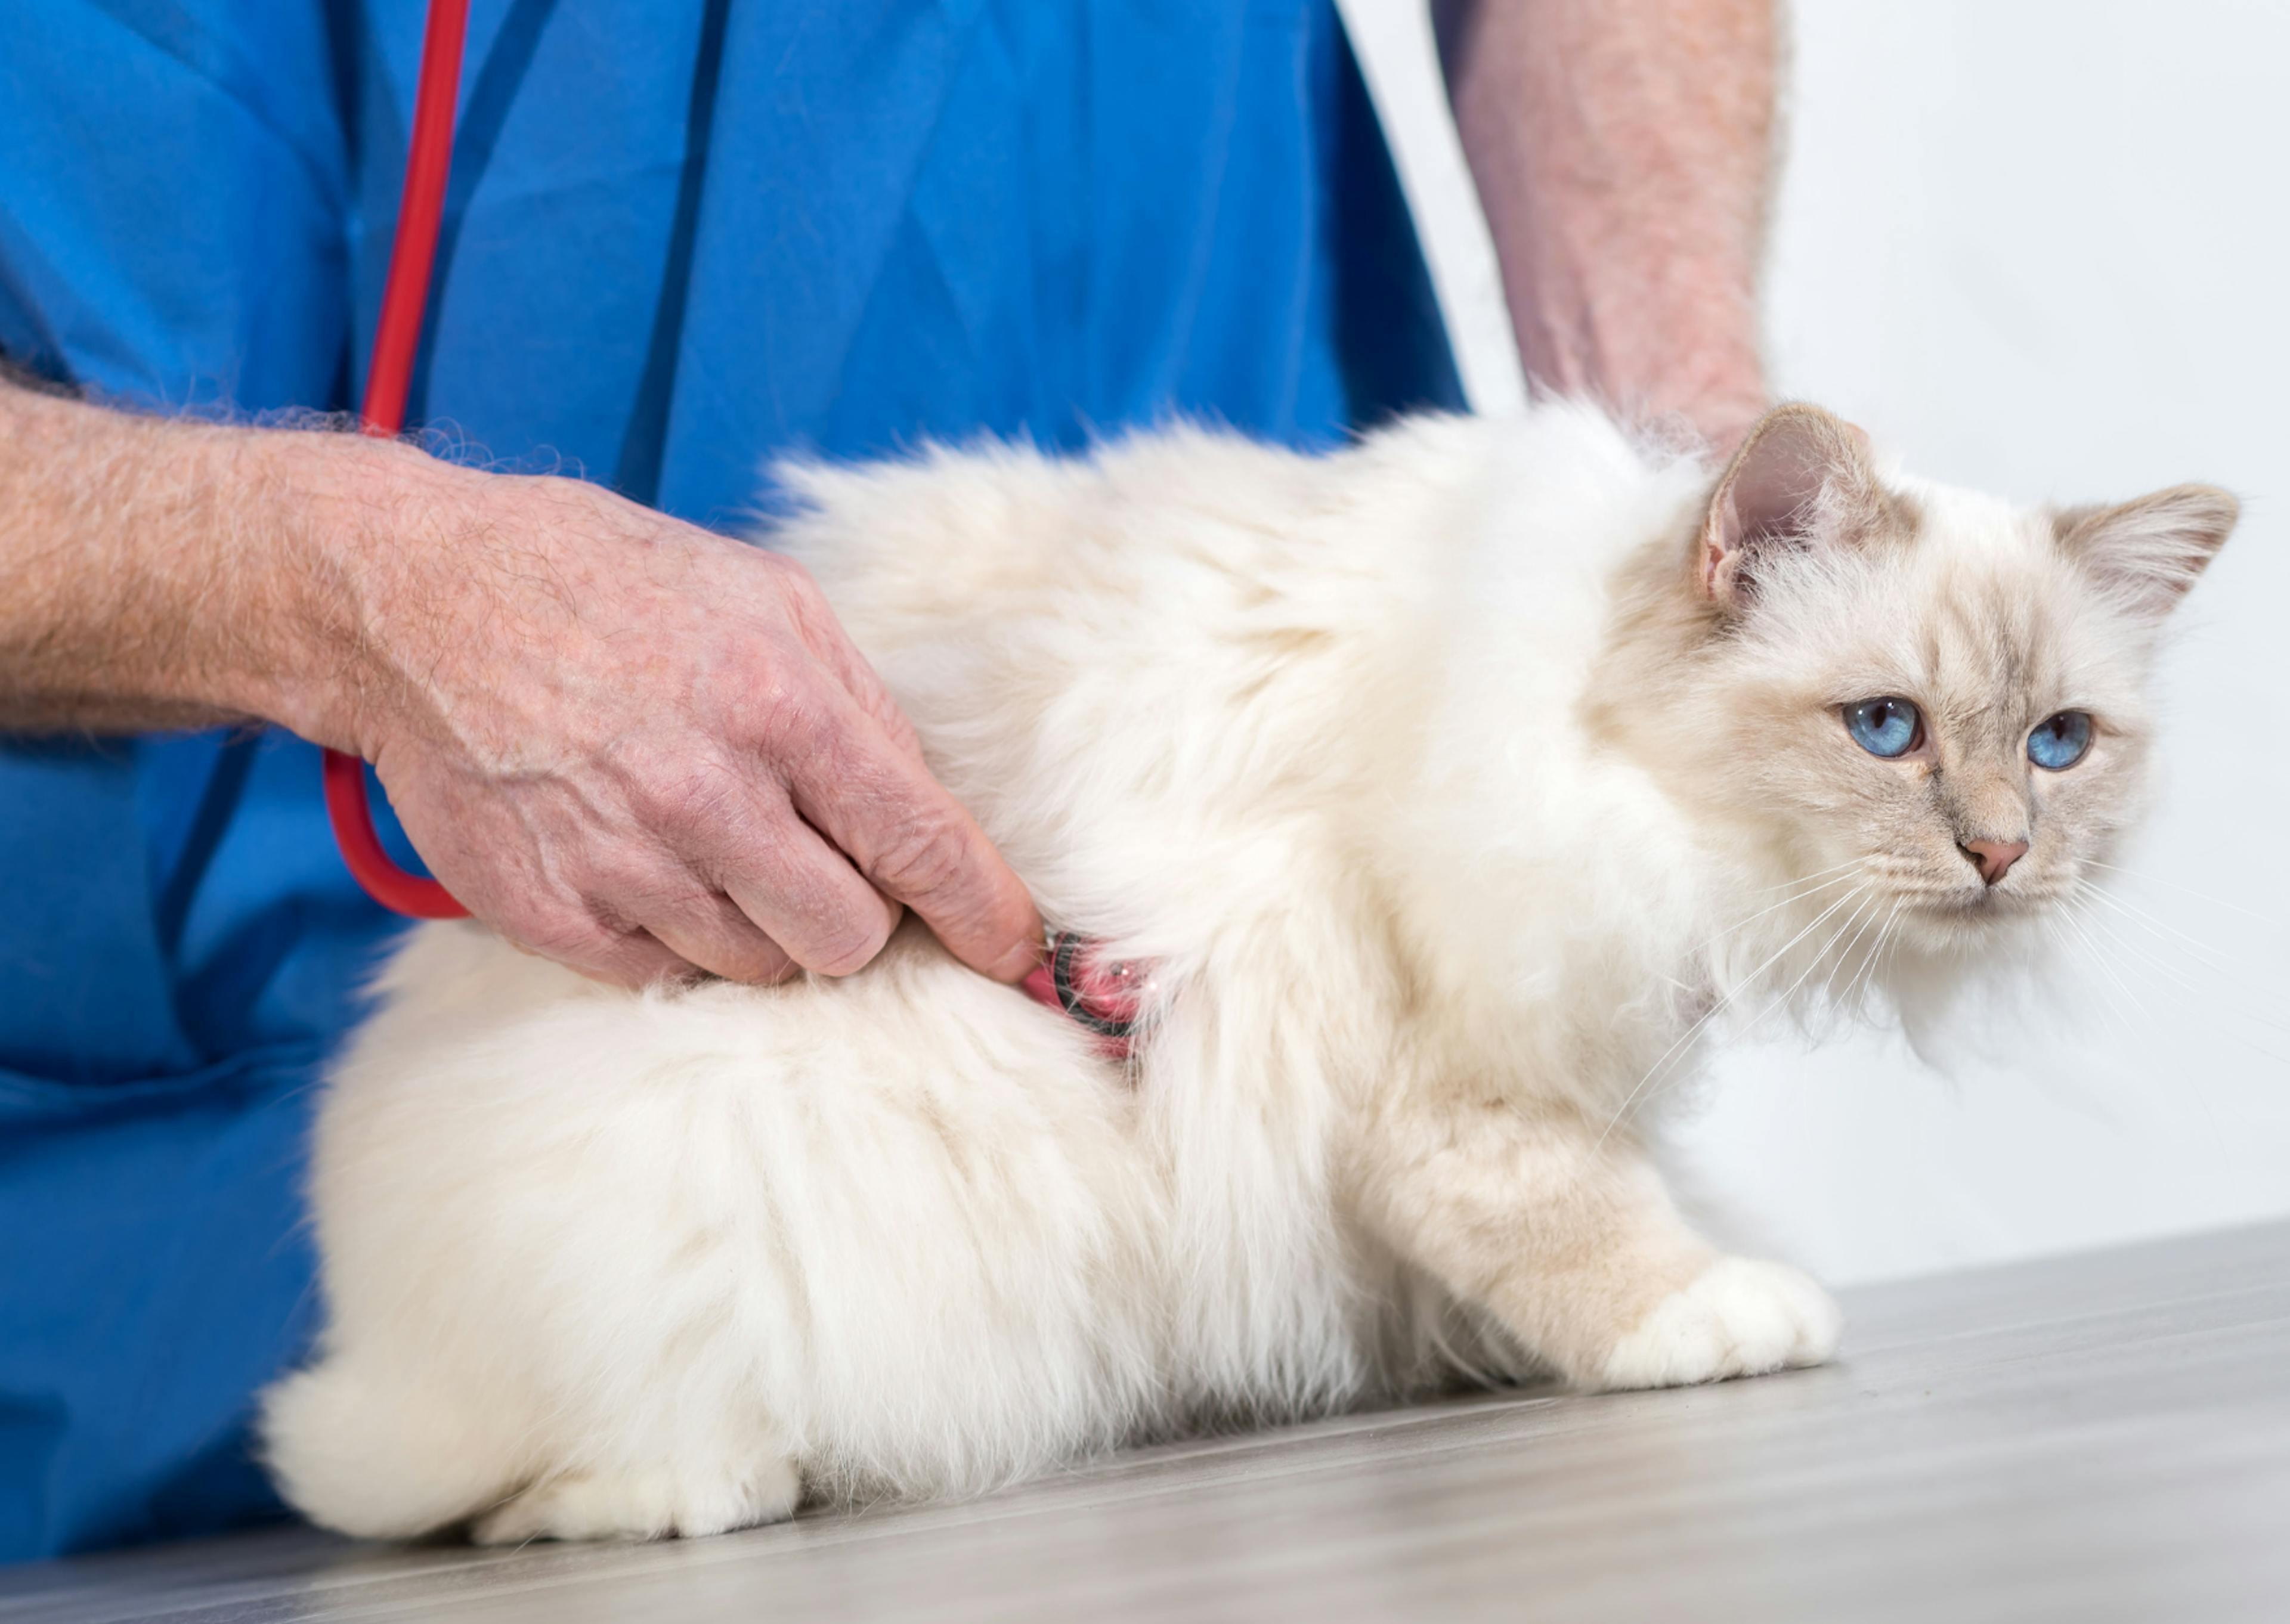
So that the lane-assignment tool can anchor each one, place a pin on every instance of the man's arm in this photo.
(121, 606)
(1624, 153)
(625, 742)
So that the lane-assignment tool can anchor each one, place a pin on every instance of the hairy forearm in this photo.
(1623, 154)
(141, 570)
(622, 740)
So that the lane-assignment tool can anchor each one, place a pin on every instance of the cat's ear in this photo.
(1802, 479)
(2149, 550)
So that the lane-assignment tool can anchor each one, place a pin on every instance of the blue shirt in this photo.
(679, 239)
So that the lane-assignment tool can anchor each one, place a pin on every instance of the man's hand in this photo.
(1624, 153)
(626, 743)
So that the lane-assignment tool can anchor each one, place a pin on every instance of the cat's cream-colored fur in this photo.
(1450, 782)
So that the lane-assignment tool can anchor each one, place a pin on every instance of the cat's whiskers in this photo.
(2066, 914)
(2208, 957)
(2200, 896)
(1867, 976)
(1711, 1014)
(2186, 983)
(1845, 957)
(1859, 898)
(1782, 1001)
(1850, 862)
(2162, 966)
(1810, 891)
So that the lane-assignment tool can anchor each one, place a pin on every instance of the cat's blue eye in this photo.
(2058, 741)
(1884, 727)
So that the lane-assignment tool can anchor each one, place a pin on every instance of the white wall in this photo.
(2037, 245)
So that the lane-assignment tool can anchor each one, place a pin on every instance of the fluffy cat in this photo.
(1448, 783)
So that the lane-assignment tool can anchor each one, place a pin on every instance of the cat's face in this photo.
(1939, 698)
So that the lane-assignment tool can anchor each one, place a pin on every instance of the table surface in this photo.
(2097, 1437)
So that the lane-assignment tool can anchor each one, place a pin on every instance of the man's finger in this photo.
(565, 928)
(636, 959)
(914, 842)
(709, 929)
(619, 958)
(801, 893)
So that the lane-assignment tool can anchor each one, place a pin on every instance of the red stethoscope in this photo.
(404, 298)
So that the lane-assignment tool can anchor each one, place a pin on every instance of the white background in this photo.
(2037, 246)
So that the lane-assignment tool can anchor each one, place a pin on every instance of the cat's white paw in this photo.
(1738, 1317)
(647, 1505)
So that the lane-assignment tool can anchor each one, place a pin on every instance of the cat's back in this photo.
(1188, 522)
(1189, 646)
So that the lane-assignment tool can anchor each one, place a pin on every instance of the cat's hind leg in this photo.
(684, 1452)
(365, 1448)
(367, 1451)
(687, 1499)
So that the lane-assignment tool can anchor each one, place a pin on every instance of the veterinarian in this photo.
(678, 240)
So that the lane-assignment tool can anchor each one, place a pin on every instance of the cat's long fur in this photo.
(1447, 781)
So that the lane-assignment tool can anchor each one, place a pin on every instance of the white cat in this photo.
(1446, 784)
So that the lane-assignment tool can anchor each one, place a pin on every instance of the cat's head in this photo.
(1928, 694)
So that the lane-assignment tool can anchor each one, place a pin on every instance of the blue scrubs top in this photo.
(679, 238)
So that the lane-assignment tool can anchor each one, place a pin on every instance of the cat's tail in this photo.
(371, 1452)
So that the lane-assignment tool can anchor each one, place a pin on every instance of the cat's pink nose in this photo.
(1994, 858)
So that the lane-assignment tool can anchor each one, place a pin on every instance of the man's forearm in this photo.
(623, 741)
(138, 563)
(1624, 153)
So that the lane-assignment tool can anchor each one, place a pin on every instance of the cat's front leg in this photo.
(1572, 1242)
